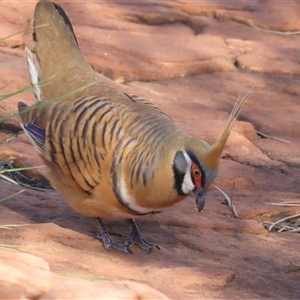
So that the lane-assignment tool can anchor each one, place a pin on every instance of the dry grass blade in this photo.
(294, 203)
(11, 226)
(18, 32)
(10, 196)
(229, 202)
(289, 229)
(5, 178)
(294, 227)
(272, 137)
(11, 35)
(276, 31)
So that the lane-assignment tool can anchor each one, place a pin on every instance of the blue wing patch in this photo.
(36, 133)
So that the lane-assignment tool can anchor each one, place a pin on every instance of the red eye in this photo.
(196, 173)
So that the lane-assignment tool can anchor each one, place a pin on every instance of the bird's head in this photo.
(196, 167)
(192, 174)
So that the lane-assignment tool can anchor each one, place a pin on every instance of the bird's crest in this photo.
(211, 158)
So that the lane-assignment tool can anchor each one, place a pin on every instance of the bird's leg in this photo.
(137, 238)
(108, 241)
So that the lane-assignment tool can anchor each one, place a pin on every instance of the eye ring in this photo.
(196, 172)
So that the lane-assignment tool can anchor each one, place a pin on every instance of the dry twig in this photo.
(229, 201)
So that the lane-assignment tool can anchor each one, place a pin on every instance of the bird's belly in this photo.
(101, 206)
(105, 202)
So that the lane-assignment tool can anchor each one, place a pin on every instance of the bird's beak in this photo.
(200, 198)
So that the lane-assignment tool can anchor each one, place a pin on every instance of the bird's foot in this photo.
(109, 242)
(136, 238)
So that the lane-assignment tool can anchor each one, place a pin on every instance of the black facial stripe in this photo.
(196, 160)
(179, 168)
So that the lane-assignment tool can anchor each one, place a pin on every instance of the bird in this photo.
(110, 154)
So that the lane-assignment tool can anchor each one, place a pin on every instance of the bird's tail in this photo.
(61, 65)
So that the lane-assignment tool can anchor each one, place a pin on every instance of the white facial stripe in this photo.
(187, 184)
(130, 202)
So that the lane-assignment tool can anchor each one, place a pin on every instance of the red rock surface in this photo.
(193, 59)
(25, 276)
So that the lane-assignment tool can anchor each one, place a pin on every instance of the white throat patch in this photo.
(130, 201)
(187, 184)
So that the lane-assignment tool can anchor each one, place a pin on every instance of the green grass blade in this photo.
(9, 247)
(82, 276)
(43, 103)
(20, 91)
(20, 169)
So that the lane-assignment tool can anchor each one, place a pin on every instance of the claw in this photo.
(108, 242)
(137, 238)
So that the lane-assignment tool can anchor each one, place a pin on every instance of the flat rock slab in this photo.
(25, 276)
(193, 59)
